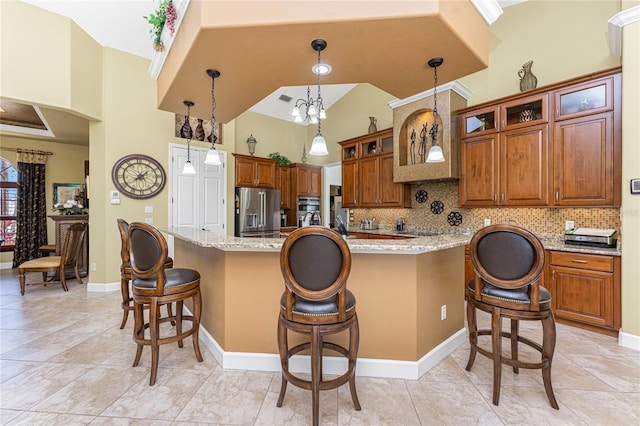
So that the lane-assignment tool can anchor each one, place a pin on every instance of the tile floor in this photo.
(63, 361)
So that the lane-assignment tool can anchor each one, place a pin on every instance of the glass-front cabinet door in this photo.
(584, 99)
(524, 112)
(479, 122)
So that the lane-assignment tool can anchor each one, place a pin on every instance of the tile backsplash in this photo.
(425, 217)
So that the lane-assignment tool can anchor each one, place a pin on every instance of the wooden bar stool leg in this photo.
(179, 306)
(126, 301)
(138, 330)
(548, 347)
(496, 346)
(316, 372)
(473, 334)
(283, 345)
(197, 310)
(354, 341)
(154, 325)
(515, 329)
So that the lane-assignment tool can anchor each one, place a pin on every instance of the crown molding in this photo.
(490, 10)
(455, 86)
(616, 23)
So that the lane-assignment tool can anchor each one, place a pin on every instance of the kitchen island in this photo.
(400, 287)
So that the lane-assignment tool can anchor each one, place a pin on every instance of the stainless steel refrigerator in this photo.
(257, 212)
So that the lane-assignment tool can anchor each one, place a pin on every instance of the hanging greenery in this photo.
(165, 14)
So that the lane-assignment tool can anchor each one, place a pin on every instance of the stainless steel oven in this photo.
(307, 205)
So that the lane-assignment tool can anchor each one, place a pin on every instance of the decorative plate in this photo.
(454, 219)
(421, 196)
(437, 207)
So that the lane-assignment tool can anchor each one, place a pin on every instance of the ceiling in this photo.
(105, 21)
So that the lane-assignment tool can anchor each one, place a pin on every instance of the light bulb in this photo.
(435, 155)
(312, 111)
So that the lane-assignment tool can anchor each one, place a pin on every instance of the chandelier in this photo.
(314, 111)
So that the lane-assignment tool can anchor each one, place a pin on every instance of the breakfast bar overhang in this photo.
(400, 288)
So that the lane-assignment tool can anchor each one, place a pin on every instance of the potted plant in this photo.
(281, 159)
(165, 14)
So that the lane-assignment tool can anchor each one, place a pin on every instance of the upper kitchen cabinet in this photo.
(514, 152)
(255, 172)
(283, 183)
(588, 144)
(367, 173)
(306, 180)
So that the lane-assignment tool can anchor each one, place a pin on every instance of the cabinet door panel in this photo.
(368, 181)
(350, 184)
(282, 181)
(266, 174)
(315, 182)
(583, 149)
(390, 193)
(585, 296)
(245, 173)
(480, 173)
(524, 159)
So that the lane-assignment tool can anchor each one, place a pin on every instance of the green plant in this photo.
(157, 21)
(281, 159)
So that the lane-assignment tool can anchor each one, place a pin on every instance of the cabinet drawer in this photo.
(593, 262)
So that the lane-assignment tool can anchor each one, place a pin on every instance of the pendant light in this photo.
(435, 152)
(213, 158)
(187, 132)
(319, 145)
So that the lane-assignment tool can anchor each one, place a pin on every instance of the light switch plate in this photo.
(148, 220)
(148, 209)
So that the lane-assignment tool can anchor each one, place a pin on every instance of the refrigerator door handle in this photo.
(263, 208)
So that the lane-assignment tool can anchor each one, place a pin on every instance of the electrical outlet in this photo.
(93, 266)
(443, 312)
(148, 220)
(487, 222)
(569, 224)
(148, 209)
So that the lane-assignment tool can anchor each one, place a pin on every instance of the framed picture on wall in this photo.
(63, 192)
(200, 129)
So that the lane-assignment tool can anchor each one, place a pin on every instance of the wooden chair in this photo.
(57, 264)
(315, 264)
(154, 285)
(508, 262)
(125, 272)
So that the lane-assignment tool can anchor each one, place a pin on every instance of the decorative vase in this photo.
(372, 125)
(528, 81)
(199, 136)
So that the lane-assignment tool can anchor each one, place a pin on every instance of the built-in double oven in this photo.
(307, 205)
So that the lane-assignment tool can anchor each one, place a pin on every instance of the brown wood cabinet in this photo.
(306, 180)
(63, 222)
(513, 152)
(367, 173)
(283, 183)
(586, 290)
(255, 172)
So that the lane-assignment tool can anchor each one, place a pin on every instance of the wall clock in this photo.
(138, 176)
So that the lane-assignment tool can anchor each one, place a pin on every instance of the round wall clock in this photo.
(138, 176)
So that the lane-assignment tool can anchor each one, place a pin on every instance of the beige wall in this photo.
(630, 212)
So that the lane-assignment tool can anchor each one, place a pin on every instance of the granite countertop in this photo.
(416, 242)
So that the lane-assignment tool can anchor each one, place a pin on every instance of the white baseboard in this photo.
(6, 265)
(366, 367)
(629, 340)
(103, 287)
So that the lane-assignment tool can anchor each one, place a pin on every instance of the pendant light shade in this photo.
(187, 132)
(318, 145)
(213, 158)
(435, 152)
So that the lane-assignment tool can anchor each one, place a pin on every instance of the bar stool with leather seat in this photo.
(125, 272)
(315, 264)
(508, 262)
(57, 264)
(154, 285)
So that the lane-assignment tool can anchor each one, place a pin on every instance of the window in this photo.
(8, 204)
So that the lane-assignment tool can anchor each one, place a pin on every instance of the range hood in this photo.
(410, 115)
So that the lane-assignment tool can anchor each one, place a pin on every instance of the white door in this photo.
(199, 200)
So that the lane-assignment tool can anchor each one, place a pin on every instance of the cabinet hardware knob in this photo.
(503, 198)
(579, 261)
(553, 276)
(556, 195)
(495, 197)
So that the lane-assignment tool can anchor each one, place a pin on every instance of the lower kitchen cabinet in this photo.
(586, 290)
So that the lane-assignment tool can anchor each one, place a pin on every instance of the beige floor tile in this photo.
(123, 421)
(567, 374)
(13, 338)
(228, 397)
(35, 418)
(10, 369)
(29, 388)
(602, 408)
(296, 408)
(7, 415)
(618, 372)
(162, 401)
(94, 391)
(446, 371)
(450, 403)
(383, 402)
(46, 347)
